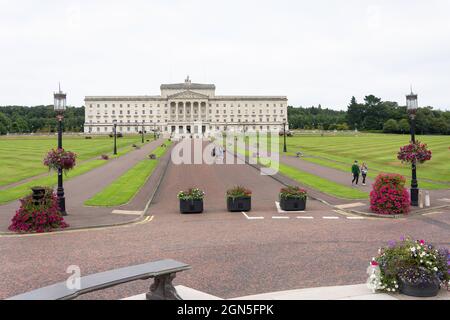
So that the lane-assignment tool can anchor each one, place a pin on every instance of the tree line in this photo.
(372, 115)
(39, 119)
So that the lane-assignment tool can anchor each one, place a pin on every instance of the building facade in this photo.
(185, 110)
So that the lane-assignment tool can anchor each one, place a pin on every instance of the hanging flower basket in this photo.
(414, 152)
(60, 159)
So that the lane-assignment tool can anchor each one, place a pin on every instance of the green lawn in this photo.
(313, 181)
(124, 188)
(321, 184)
(379, 151)
(21, 157)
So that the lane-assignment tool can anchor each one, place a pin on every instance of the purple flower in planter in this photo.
(391, 243)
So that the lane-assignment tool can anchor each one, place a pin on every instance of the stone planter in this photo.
(239, 204)
(422, 289)
(292, 204)
(191, 206)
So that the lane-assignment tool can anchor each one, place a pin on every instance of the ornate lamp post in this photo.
(411, 105)
(284, 136)
(143, 128)
(115, 136)
(60, 107)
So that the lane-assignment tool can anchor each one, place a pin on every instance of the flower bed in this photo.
(389, 195)
(238, 192)
(59, 158)
(414, 152)
(38, 216)
(411, 267)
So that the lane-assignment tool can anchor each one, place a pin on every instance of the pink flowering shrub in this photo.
(414, 151)
(42, 216)
(389, 195)
(60, 158)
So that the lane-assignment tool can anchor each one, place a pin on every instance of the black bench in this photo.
(163, 272)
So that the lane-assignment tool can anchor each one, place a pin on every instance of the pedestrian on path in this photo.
(355, 172)
(364, 170)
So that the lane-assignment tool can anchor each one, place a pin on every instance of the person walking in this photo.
(355, 172)
(364, 170)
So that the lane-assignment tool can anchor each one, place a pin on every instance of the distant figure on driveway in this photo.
(364, 170)
(355, 172)
(220, 152)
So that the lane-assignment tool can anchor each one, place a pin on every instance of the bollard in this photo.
(420, 199)
(427, 199)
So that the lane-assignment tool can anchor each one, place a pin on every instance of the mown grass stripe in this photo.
(125, 188)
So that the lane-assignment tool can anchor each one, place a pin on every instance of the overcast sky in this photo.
(311, 51)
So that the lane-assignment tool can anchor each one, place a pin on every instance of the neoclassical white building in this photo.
(185, 110)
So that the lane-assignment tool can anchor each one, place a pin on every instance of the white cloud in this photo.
(312, 51)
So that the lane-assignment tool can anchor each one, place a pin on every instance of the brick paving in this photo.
(230, 255)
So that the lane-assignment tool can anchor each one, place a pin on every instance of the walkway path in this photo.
(81, 188)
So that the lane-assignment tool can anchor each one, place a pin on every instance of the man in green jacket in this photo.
(355, 172)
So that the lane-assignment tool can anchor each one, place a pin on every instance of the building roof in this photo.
(188, 86)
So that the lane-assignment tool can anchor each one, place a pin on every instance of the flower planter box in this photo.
(292, 204)
(422, 289)
(191, 206)
(239, 204)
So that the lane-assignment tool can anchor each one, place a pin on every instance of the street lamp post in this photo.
(115, 136)
(60, 107)
(284, 136)
(411, 105)
(143, 128)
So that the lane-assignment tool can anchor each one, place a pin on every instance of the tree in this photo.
(5, 124)
(355, 114)
(390, 126)
(403, 126)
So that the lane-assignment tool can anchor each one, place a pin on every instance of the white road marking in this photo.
(444, 199)
(278, 217)
(355, 218)
(350, 205)
(282, 211)
(137, 213)
(430, 213)
(252, 218)
(331, 218)
(304, 217)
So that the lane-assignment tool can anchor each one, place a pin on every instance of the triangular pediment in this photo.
(188, 95)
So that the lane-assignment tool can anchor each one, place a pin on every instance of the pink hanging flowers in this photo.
(414, 151)
(60, 158)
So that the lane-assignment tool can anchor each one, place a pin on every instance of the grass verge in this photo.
(21, 190)
(124, 188)
(313, 181)
(321, 184)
